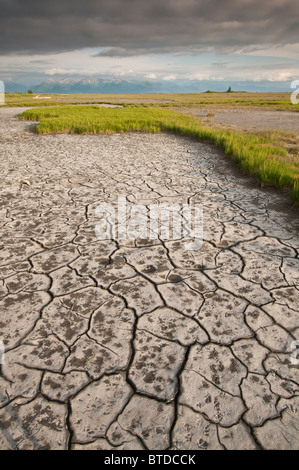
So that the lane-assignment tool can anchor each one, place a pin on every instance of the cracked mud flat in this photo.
(142, 345)
(251, 119)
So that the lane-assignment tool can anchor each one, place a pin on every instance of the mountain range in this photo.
(95, 85)
(92, 85)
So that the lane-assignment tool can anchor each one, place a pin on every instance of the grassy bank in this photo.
(261, 156)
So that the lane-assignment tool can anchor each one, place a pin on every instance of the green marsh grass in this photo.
(259, 155)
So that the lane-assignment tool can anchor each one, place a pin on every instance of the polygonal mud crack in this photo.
(222, 315)
(97, 406)
(38, 425)
(155, 365)
(193, 432)
(149, 420)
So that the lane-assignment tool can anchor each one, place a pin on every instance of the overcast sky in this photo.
(150, 39)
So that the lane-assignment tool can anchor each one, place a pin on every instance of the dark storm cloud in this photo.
(129, 27)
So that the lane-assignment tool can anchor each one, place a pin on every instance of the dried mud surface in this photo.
(142, 344)
(250, 119)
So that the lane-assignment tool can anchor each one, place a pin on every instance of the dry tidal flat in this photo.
(142, 344)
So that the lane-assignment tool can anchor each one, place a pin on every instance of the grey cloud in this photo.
(137, 51)
(121, 52)
(42, 61)
(130, 27)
